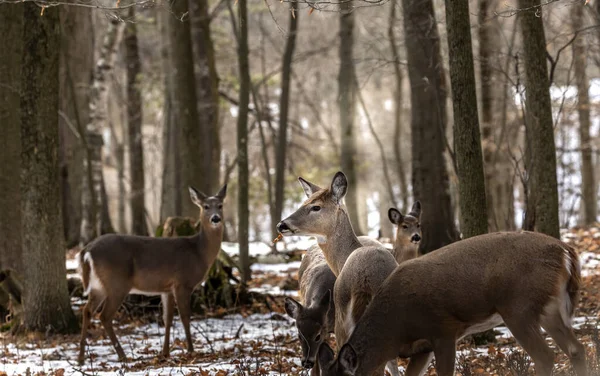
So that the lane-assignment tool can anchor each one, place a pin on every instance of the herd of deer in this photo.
(380, 303)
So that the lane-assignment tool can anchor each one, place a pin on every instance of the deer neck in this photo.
(339, 243)
(405, 250)
(209, 242)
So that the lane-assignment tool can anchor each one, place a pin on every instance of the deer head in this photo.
(211, 207)
(409, 226)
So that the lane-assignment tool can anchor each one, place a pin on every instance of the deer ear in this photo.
(416, 209)
(348, 359)
(395, 216)
(197, 196)
(222, 192)
(309, 188)
(326, 355)
(325, 303)
(292, 308)
(339, 187)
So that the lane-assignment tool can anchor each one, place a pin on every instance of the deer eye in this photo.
(206, 207)
(418, 225)
(405, 226)
(315, 208)
(220, 206)
(318, 338)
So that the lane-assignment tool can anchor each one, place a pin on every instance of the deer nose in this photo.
(308, 364)
(215, 219)
(282, 227)
(415, 238)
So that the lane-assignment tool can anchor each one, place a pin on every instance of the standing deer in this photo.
(113, 266)
(526, 280)
(408, 233)
(360, 270)
(315, 316)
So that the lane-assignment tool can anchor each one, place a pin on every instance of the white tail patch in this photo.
(349, 323)
(94, 282)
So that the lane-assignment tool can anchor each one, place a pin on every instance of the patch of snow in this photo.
(282, 269)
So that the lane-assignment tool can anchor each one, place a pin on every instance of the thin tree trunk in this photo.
(588, 185)
(120, 158)
(284, 105)
(134, 127)
(467, 140)
(11, 29)
(92, 219)
(207, 85)
(539, 120)
(428, 124)
(398, 104)
(75, 71)
(347, 104)
(242, 141)
(46, 301)
(191, 148)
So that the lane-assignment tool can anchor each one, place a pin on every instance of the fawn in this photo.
(113, 266)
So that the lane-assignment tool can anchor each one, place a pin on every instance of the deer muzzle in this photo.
(215, 219)
(283, 228)
(415, 238)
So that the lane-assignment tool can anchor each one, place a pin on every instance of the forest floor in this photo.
(260, 339)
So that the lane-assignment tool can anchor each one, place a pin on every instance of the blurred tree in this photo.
(467, 140)
(541, 166)
(46, 299)
(347, 109)
(134, 127)
(428, 124)
(11, 28)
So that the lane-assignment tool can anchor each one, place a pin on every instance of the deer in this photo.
(114, 266)
(360, 270)
(408, 232)
(525, 280)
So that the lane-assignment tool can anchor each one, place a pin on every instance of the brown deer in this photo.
(360, 270)
(527, 280)
(408, 233)
(315, 316)
(113, 266)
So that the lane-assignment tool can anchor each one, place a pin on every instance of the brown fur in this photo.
(428, 303)
(114, 266)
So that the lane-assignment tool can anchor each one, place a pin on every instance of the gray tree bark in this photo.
(11, 29)
(467, 140)
(347, 108)
(46, 300)
(542, 174)
(134, 127)
(428, 124)
(588, 184)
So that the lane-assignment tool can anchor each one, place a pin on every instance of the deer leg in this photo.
(90, 307)
(392, 367)
(418, 364)
(168, 308)
(566, 340)
(445, 356)
(111, 305)
(527, 332)
(183, 297)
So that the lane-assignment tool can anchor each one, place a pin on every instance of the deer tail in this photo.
(10, 285)
(360, 300)
(85, 267)
(574, 282)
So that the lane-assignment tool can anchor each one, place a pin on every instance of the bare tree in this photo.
(46, 300)
(467, 141)
(134, 127)
(539, 126)
(428, 124)
(11, 28)
(347, 109)
(588, 185)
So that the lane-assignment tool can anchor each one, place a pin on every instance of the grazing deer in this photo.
(408, 233)
(360, 270)
(315, 316)
(113, 266)
(526, 280)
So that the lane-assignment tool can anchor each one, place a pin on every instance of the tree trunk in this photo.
(192, 151)
(11, 29)
(242, 141)
(428, 124)
(398, 104)
(93, 222)
(467, 140)
(588, 186)
(347, 101)
(75, 71)
(284, 105)
(134, 128)
(46, 301)
(171, 177)
(207, 85)
(539, 120)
